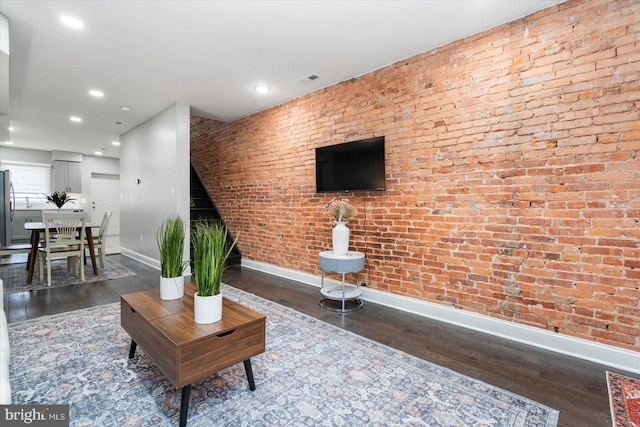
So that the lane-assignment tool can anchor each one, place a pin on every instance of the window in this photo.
(31, 180)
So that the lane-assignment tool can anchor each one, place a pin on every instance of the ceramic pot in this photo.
(171, 287)
(340, 234)
(207, 309)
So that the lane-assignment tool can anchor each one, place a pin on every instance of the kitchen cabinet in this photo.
(18, 233)
(66, 176)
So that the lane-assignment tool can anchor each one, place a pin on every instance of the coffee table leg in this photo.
(132, 349)
(184, 405)
(249, 371)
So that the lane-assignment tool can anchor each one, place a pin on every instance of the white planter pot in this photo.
(207, 309)
(340, 234)
(171, 287)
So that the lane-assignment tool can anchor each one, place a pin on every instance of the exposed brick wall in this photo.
(513, 173)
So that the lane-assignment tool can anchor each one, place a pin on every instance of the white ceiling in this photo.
(210, 54)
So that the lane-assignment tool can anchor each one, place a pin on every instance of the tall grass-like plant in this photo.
(210, 254)
(170, 239)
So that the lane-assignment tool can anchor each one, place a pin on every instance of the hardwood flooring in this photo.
(575, 387)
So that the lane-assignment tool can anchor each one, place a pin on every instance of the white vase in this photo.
(171, 287)
(207, 309)
(340, 236)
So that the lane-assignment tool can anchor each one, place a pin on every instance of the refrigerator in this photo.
(7, 207)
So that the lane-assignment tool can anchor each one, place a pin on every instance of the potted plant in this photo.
(59, 198)
(170, 239)
(210, 254)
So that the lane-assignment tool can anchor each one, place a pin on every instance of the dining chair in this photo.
(64, 238)
(100, 241)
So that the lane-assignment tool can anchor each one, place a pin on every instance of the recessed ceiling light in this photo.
(99, 153)
(72, 22)
(8, 142)
(11, 128)
(125, 108)
(75, 119)
(116, 143)
(96, 93)
(262, 89)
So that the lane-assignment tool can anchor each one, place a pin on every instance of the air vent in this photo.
(310, 78)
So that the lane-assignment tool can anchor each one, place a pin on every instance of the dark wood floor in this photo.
(577, 388)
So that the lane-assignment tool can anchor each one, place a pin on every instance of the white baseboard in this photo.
(149, 261)
(141, 258)
(582, 349)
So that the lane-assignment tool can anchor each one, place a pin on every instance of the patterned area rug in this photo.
(624, 399)
(312, 373)
(14, 276)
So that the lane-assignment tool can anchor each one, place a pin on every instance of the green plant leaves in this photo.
(59, 198)
(170, 238)
(210, 254)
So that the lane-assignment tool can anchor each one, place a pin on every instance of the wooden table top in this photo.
(186, 351)
(174, 318)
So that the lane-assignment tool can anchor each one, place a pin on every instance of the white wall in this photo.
(95, 165)
(24, 155)
(154, 180)
(4, 78)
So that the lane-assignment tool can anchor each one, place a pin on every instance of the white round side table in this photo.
(352, 262)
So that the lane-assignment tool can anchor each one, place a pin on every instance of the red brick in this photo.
(517, 169)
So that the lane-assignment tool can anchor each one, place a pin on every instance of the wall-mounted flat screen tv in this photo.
(351, 166)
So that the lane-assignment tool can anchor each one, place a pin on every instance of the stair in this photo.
(203, 209)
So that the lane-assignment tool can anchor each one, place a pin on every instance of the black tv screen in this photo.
(351, 166)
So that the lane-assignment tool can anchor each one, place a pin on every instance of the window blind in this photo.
(32, 180)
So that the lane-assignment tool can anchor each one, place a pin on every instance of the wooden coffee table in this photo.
(186, 351)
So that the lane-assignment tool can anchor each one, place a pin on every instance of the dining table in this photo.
(37, 228)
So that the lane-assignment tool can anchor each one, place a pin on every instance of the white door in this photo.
(105, 196)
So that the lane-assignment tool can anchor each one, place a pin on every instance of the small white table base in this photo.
(348, 295)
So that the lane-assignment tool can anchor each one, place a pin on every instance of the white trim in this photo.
(614, 357)
(6, 163)
(286, 273)
(149, 261)
(141, 258)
